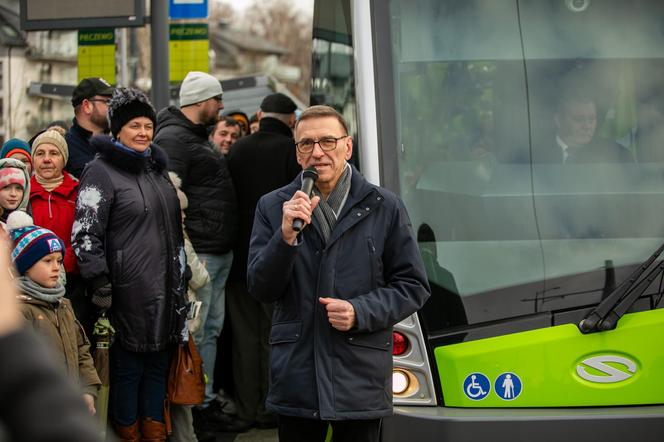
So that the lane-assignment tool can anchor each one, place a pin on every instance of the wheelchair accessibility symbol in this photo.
(476, 386)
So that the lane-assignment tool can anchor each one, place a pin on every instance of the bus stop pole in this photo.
(159, 53)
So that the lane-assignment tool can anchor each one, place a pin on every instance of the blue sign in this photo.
(508, 386)
(187, 9)
(476, 386)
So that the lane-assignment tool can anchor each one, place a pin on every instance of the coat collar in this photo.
(68, 186)
(107, 151)
(273, 125)
(173, 116)
(80, 129)
(362, 201)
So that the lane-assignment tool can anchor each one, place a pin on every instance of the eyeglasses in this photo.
(101, 100)
(325, 143)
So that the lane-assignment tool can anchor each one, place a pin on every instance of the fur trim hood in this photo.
(109, 152)
(16, 164)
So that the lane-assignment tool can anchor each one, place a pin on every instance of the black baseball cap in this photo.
(88, 88)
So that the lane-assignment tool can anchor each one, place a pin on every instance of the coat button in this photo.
(315, 414)
(379, 198)
(359, 213)
(367, 209)
(351, 338)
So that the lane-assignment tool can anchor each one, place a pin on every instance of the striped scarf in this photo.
(327, 210)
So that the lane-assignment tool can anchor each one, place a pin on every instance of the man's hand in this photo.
(90, 403)
(300, 206)
(340, 313)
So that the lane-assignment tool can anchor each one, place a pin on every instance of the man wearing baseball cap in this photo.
(90, 100)
(210, 219)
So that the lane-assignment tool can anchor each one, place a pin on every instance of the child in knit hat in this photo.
(18, 149)
(37, 256)
(14, 186)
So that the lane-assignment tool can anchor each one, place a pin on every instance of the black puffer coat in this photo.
(211, 220)
(127, 230)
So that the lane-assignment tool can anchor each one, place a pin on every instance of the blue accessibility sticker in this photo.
(476, 386)
(508, 386)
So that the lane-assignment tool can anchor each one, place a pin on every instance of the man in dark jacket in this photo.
(259, 163)
(211, 218)
(90, 100)
(338, 286)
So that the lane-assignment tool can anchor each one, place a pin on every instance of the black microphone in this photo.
(309, 177)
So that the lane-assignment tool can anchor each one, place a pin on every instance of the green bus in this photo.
(526, 138)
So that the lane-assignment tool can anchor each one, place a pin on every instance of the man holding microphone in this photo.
(339, 285)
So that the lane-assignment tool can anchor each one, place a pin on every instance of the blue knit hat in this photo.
(15, 145)
(31, 243)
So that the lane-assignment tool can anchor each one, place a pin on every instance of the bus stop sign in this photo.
(178, 9)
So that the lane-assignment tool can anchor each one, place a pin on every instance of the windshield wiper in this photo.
(607, 313)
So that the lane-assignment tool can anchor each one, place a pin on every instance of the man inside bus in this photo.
(576, 139)
(338, 286)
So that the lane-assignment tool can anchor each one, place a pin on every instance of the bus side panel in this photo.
(422, 424)
(558, 367)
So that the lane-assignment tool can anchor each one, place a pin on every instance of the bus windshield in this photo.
(529, 138)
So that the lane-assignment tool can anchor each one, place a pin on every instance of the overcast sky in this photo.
(304, 5)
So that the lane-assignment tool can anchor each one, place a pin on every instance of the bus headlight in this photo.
(404, 383)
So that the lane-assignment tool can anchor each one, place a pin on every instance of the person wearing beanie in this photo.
(241, 119)
(39, 402)
(259, 163)
(37, 255)
(127, 238)
(211, 218)
(14, 187)
(126, 105)
(17, 149)
(53, 194)
(51, 145)
(90, 101)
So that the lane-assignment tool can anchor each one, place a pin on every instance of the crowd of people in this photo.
(148, 219)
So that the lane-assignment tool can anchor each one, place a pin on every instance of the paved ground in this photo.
(253, 435)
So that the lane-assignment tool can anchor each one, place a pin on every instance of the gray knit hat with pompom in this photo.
(127, 104)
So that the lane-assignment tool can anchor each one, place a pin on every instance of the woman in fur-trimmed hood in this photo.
(127, 238)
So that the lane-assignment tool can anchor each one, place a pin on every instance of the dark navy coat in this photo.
(80, 150)
(370, 260)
